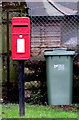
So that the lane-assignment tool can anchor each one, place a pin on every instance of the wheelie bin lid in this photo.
(59, 51)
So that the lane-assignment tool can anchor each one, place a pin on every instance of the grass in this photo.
(36, 111)
(0, 111)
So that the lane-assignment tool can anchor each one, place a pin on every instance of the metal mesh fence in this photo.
(51, 31)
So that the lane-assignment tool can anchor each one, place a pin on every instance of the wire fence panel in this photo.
(48, 32)
(45, 34)
(69, 34)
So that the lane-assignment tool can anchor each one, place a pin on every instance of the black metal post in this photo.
(21, 88)
(8, 59)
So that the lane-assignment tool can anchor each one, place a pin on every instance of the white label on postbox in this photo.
(20, 45)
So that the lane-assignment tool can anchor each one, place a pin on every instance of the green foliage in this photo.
(36, 98)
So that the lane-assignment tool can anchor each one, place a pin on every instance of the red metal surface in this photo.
(21, 31)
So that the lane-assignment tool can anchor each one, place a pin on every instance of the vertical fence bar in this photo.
(21, 88)
(8, 60)
(77, 25)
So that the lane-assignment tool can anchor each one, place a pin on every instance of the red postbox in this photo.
(20, 38)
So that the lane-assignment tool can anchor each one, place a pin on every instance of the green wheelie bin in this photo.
(59, 71)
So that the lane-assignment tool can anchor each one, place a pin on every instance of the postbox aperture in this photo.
(20, 38)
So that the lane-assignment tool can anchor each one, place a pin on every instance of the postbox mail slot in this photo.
(20, 25)
(20, 29)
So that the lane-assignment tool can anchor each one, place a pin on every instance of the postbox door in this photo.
(21, 47)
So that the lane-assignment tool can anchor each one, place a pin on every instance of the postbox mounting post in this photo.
(21, 88)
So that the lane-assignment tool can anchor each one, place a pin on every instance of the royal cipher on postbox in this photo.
(20, 38)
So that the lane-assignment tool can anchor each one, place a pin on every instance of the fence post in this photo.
(8, 60)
